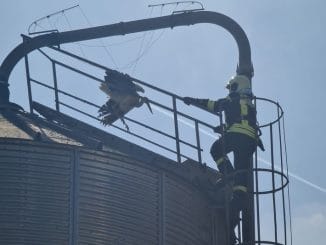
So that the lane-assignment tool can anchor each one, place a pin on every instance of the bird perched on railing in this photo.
(123, 97)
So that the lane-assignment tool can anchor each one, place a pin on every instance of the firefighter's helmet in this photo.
(239, 84)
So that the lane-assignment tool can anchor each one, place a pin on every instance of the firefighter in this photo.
(239, 135)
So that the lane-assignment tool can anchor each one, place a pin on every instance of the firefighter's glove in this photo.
(189, 100)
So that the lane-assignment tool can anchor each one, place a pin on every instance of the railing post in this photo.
(198, 142)
(176, 128)
(28, 79)
(29, 89)
(55, 82)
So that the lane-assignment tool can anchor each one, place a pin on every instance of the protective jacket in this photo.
(240, 113)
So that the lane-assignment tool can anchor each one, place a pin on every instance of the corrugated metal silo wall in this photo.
(56, 194)
(35, 182)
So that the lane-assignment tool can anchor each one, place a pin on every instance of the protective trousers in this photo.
(243, 148)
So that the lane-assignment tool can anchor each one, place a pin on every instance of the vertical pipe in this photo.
(198, 142)
(176, 128)
(55, 82)
(282, 170)
(227, 214)
(29, 89)
(248, 214)
(224, 180)
(273, 183)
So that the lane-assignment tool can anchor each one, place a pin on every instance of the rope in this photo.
(100, 40)
(140, 50)
(112, 44)
(51, 25)
(35, 23)
(70, 26)
(149, 44)
(129, 65)
(39, 25)
(58, 18)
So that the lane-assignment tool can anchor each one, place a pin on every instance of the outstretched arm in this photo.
(211, 105)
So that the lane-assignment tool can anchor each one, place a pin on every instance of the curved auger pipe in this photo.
(122, 28)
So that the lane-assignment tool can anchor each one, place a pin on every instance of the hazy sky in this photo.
(287, 39)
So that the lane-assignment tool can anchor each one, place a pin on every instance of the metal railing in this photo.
(173, 109)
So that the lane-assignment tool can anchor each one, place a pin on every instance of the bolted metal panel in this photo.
(59, 194)
(118, 201)
(34, 193)
(187, 214)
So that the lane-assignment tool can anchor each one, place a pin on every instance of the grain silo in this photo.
(57, 189)
(64, 181)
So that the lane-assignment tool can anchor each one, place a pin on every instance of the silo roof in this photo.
(23, 125)
(9, 130)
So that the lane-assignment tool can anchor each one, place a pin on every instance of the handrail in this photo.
(123, 130)
(196, 121)
(134, 79)
(92, 63)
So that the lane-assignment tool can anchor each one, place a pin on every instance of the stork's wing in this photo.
(117, 81)
(104, 87)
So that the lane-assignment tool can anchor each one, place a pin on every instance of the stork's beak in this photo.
(139, 88)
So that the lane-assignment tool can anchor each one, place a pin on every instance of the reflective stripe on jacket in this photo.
(242, 129)
(240, 113)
